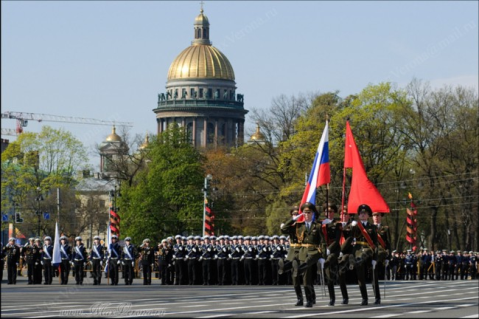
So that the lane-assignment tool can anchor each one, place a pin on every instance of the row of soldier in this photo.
(210, 260)
(332, 246)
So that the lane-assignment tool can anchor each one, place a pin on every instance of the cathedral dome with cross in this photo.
(201, 93)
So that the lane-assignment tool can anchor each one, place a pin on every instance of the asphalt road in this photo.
(413, 299)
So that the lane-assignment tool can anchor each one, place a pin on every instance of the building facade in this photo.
(201, 94)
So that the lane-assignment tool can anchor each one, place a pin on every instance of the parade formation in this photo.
(320, 252)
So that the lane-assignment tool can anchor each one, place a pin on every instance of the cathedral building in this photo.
(201, 94)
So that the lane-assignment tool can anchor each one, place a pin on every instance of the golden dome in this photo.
(257, 136)
(201, 61)
(113, 137)
(201, 18)
(145, 143)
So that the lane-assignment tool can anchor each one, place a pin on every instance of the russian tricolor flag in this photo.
(320, 172)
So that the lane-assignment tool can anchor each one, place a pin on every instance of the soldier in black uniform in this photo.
(235, 256)
(473, 265)
(147, 259)
(278, 253)
(97, 254)
(37, 270)
(128, 256)
(179, 254)
(46, 261)
(393, 264)
(452, 267)
(445, 265)
(66, 256)
(221, 256)
(208, 253)
(13, 258)
(3, 254)
(192, 256)
(29, 250)
(79, 259)
(248, 256)
(163, 261)
(114, 260)
(408, 265)
(263, 255)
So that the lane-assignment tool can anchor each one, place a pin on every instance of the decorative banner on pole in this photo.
(209, 221)
(411, 225)
(114, 222)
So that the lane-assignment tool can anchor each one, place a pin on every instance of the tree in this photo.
(165, 196)
(37, 164)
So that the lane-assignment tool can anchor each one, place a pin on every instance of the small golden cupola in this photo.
(145, 143)
(113, 137)
(257, 137)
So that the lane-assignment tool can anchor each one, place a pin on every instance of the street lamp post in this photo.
(205, 193)
(39, 212)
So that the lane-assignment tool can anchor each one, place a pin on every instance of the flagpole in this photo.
(344, 193)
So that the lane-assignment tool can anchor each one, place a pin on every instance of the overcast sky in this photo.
(109, 59)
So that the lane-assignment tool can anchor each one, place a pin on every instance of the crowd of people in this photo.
(325, 251)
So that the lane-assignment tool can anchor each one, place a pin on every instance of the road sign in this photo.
(4, 218)
(46, 216)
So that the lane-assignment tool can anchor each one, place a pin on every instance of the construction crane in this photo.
(23, 118)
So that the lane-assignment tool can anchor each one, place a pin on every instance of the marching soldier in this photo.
(248, 256)
(79, 259)
(365, 251)
(438, 262)
(114, 260)
(66, 256)
(128, 256)
(384, 243)
(310, 238)
(179, 254)
(394, 263)
(13, 258)
(221, 256)
(293, 253)
(29, 255)
(332, 229)
(193, 255)
(408, 265)
(278, 252)
(46, 261)
(263, 255)
(37, 271)
(3, 254)
(208, 254)
(473, 265)
(235, 256)
(452, 260)
(96, 258)
(163, 260)
(147, 259)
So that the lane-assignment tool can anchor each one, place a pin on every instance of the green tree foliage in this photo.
(33, 167)
(165, 197)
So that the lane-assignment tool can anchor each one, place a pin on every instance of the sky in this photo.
(108, 60)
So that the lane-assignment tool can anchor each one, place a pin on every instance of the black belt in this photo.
(96, 258)
(78, 259)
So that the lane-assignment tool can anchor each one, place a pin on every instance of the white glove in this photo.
(354, 223)
(326, 221)
(374, 264)
(386, 262)
(133, 264)
(229, 255)
(321, 261)
(101, 263)
(216, 256)
(297, 216)
(123, 263)
(186, 257)
(41, 262)
(194, 250)
(237, 249)
(341, 254)
(118, 262)
(209, 249)
(327, 252)
(271, 256)
(281, 226)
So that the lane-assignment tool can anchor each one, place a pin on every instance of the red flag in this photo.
(362, 190)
